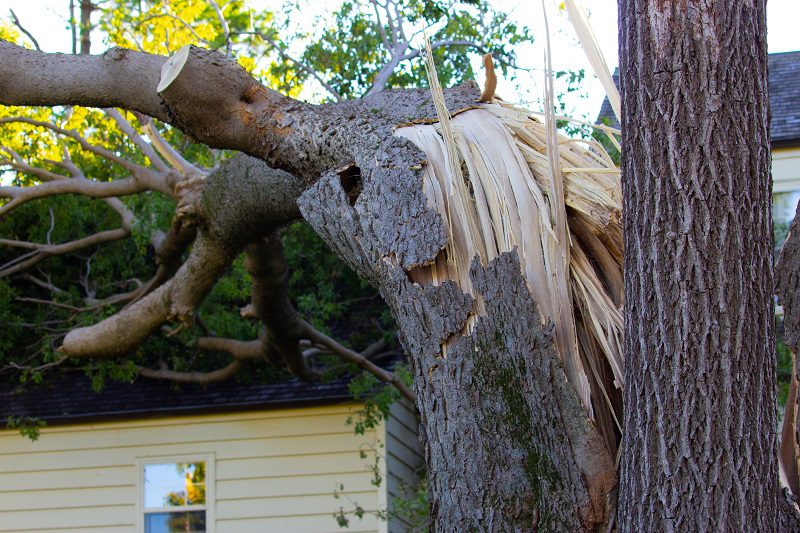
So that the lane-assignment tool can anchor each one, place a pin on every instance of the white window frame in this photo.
(207, 458)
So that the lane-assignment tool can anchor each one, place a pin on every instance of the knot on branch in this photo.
(189, 193)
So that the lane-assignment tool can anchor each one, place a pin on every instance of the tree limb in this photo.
(85, 144)
(316, 336)
(83, 186)
(202, 378)
(242, 199)
(137, 139)
(270, 297)
(43, 251)
(215, 100)
(173, 301)
(117, 78)
(240, 350)
(166, 150)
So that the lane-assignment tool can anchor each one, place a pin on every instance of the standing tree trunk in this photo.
(699, 448)
(86, 25)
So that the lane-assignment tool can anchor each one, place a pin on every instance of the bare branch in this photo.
(46, 284)
(137, 139)
(175, 300)
(18, 24)
(17, 163)
(184, 167)
(362, 362)
(240, 350)
(224, 23)
(98, 150)
(43, 251)
(51, 303)
(57, 362)
(82, 186)
(202, 378)
(381, 29)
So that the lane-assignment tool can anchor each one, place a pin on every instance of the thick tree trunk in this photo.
(699, 448)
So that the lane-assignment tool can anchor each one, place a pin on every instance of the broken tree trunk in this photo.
(508, 444)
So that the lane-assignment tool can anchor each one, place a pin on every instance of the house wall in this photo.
(785, 169)
(403, 458)
(274, 471)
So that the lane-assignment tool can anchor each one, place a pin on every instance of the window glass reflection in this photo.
(184, 522)
(174, 485)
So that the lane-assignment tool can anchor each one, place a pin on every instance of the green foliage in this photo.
(348, 50)
(377, 396)
(410, 505)
(30, 428)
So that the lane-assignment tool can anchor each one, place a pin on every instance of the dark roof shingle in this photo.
(69, 397)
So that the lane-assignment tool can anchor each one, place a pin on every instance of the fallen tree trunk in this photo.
(509, 445)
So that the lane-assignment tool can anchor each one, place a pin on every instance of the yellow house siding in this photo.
(786, 169)
(403, 457)
(275, 470)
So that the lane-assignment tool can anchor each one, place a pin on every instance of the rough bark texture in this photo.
(787, 284)
(699, 448)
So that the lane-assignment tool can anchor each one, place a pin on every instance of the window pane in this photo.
(174, 484)
(187, 522)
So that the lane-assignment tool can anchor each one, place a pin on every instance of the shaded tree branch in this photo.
(316, 336)
(202, 378)
(43, 251)
(270, 298)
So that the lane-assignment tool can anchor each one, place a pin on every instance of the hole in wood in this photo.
(350, 178)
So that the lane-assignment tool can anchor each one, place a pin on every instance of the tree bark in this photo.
(86, 26)
(509, 446)
(699, 448)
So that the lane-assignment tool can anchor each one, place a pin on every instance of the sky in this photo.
(47, 21)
